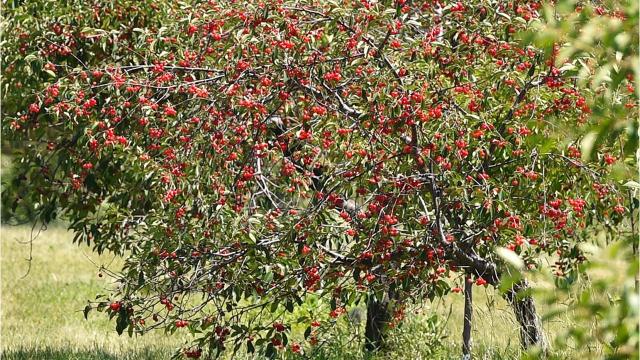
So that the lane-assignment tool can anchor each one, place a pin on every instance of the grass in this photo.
(42, 313)
(90, 354)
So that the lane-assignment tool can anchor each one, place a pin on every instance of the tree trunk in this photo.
(378, 315)
(468, 316)
(531, 332)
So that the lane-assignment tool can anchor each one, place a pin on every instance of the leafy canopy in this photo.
(245, 157)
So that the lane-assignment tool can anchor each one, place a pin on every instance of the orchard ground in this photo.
(42, 313)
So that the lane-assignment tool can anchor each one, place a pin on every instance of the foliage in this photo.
(23, 214)
(599, 43)
(247, 158)
(48, 37)
(605, 297)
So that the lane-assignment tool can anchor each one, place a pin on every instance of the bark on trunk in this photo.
(378, 315)
(531, 332)
(468, 316)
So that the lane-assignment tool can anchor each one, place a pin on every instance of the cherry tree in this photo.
(246, 157)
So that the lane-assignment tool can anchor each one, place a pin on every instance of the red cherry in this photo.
(115, 306)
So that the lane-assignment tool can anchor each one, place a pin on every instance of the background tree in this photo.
(48, 38)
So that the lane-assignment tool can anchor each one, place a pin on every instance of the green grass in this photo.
(42, 307)
(42, 313)
(89, 354)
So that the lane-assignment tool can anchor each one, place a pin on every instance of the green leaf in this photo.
(86, 311)
(504, 15)
(587, 145)
(510, 257)
(271, 351)
(31, 57)
(274, 306)
(122, 321)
